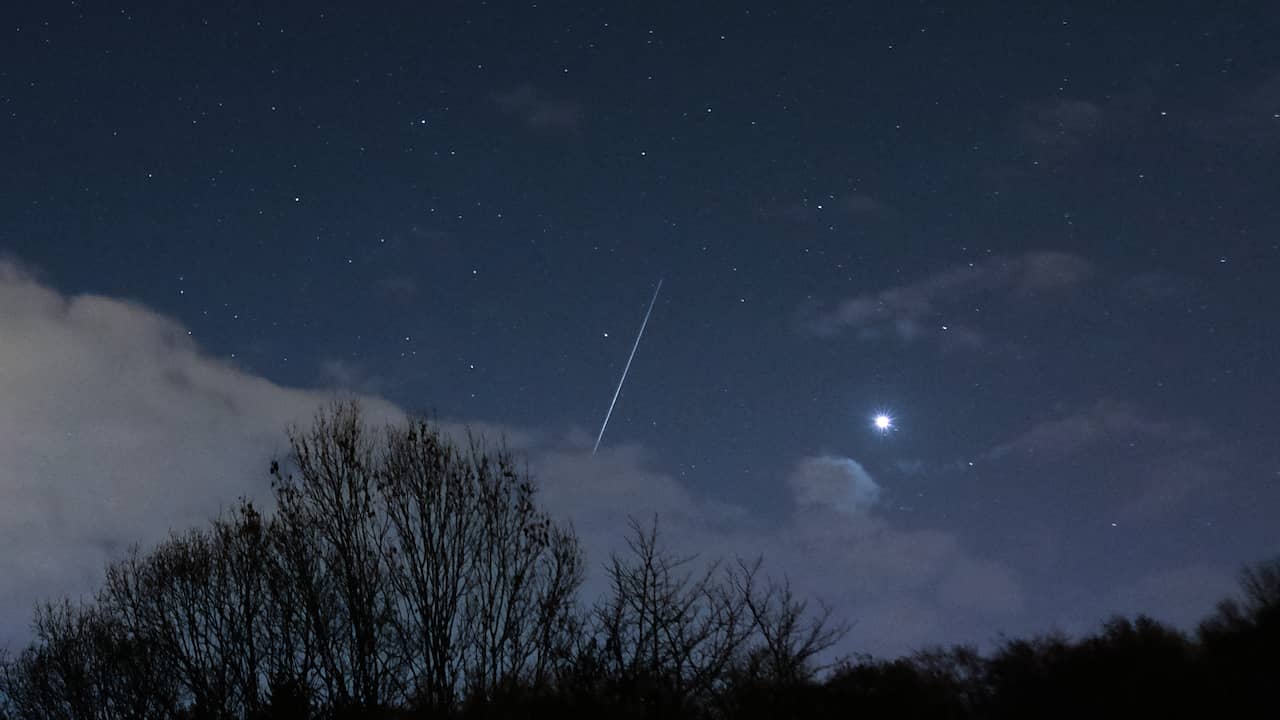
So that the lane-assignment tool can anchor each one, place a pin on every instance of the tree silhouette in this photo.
(669, 634)
(401, 569)
(405, 573)
(1241, 640)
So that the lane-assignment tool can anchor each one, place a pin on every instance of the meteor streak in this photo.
(630, 357)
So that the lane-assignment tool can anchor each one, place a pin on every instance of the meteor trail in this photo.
(630, 357)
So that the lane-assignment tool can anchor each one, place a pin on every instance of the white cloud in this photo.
(835, 483)
(114, 428)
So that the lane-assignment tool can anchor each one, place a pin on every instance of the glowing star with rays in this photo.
(882, 422)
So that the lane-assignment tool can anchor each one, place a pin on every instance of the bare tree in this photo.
(336, 546)
(527, 571)
(1258, 602)
(427, 487)
(243, 555)
(171, 598)
(419, 567)
(666, 631)
(486, 581)
(790, 638)
(402, 570)
(83, 665)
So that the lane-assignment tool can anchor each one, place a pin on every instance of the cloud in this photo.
(1170, 467)
(1105, 421)
(1089, 139)
(935, 306)
(902, 588)
(1058, 126)
(1182, 595)
(859, 204)
(840, 484)
(398, 289)
(115, 427)
(833, 208)
(1061, 133)
(1060, 123)
(1177, 482)
(1250, 120)
(350, 376)
(538, 111)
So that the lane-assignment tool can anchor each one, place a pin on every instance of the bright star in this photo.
(883, 422)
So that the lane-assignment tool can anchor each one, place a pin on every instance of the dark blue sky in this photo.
(1044, 236)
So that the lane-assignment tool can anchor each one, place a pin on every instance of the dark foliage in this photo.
(406, 575)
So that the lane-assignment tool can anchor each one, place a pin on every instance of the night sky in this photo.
(1043, 238)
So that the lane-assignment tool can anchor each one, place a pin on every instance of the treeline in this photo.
(404, 574)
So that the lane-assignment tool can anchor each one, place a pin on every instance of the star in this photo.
(883, 422)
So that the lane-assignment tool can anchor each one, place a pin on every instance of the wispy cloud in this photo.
(1168, 464)
(400, 288)
(1060, 123)
(349, 376)
(1251, 119)
(540, 111)
(935, 307)
(1105, 421)
(854, 206)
